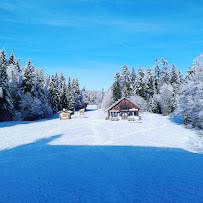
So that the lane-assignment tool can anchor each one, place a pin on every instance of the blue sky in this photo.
(91, 39)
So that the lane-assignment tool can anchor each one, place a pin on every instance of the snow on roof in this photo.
(65, 111)
(120, 101)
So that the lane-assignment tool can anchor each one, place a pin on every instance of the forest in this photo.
(161, 89)
(26, 93)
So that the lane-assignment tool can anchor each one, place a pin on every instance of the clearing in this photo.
(95, 160)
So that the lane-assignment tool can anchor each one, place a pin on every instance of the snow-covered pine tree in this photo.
(70, 95)
(189, 74)
(126, 86)
(141, 86)
(165, 71)
(157, 71)
(39, 87)
(18, 65)
(117, 87)
(58, 88)
(173, 74)
(176, 80)
(84, 96)
(53, 94)
(133, 83)
(63, 93)
(78, 94)
(12, 59)
(149, 83)
(46, 87)
(28, 80)
(15, 82)
(153, 106)
(3, 57)
(6, 106)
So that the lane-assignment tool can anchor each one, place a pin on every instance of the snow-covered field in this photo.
(154, 131)
(94, 160)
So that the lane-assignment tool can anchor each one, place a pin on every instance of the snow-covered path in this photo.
(95, 160)
(155, 131)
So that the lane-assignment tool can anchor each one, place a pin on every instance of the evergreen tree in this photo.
(149, 83)
(3, 57)
(78, 94)
(18, 65)
(165, 72)
(63, 94)
(39, 81)
(70, 96)
(126, 85)
(133, 83)
(173, 74)
(189, 74)
(28, 80)
(6, 106)
(85, 96)
(46, 88)
(53, 94)
(157, 69)
(12, 59)
(78, 104)
(117, 87)
(141, 86)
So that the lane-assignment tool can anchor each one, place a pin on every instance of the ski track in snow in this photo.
(155, 130)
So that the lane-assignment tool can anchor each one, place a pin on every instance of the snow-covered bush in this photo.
(32, 108)
(191, 100)
(107, 100)
(142, 103)
(167, 100)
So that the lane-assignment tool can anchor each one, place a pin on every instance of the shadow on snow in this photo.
(40, 172)
(177, 119)
(13, 123)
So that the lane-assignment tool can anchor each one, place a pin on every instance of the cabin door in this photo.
(124, 115)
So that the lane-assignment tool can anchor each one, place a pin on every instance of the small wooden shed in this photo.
(65, 114)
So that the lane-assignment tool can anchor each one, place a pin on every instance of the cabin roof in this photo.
(117, 102)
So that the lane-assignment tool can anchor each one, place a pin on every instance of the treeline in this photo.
(27, 94)
(95, 97)
(161, 89)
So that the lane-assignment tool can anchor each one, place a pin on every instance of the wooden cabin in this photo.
(123, 109)
(65, 114)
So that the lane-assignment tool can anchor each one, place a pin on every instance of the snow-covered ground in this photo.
(154, 131)
(94, 160)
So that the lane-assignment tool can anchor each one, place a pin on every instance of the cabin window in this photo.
(131, 113)
(124, 107)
